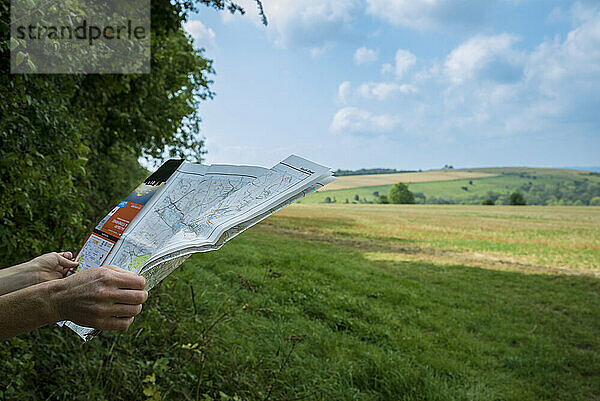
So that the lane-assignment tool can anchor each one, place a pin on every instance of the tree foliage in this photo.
(70, 144)
(517, 199)
(383, 199)
(400, 193)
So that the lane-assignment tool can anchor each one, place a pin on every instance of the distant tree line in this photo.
(584, 191)
(368, 171)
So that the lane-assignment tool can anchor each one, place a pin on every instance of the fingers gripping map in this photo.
(185, 208)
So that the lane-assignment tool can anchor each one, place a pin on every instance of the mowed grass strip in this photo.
(369, 180)
(564, 238)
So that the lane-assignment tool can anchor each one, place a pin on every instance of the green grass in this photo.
(344, 327)
(509, 180)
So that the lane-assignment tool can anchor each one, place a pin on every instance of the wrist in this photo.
(53, 294)
(30, 273)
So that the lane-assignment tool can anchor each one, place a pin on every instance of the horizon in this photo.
(593, 169)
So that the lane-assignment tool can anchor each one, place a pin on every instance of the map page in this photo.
(201, 207)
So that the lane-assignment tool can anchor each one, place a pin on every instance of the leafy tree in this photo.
(356, 197)
(327, 199)
(595, 201)
(70, 144)
(383, 199)
(487, 201)
(399, 193)
(517, 198)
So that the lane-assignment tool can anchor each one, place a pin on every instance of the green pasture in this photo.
(272, 316)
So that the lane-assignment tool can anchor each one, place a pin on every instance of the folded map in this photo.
(184, 208)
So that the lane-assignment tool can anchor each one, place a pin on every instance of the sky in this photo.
(405, 84)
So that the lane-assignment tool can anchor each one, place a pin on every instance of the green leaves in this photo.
(13, 44)
(70, 144)
(20, 57)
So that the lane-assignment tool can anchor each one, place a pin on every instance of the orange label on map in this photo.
(118, 222)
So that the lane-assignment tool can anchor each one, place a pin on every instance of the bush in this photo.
(399, 193)
(70, 144)
(383, 199)
(419, 197)
(487, 201)
(517, 199)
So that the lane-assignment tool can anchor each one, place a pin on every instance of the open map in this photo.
(186, 208)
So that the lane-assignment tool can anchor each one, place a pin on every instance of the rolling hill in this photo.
(357, 181)
(541, 186)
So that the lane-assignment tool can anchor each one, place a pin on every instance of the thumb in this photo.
(66, 254)
(64, 259)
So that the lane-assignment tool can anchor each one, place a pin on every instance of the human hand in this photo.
(106, 298)
(51, 266)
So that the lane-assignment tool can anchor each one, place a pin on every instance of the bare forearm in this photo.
(105, 298)
(27, 309)
(16, 277)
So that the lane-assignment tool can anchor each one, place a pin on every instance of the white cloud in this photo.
(380, 91)
(203, 36)
(317, 51)
(355, 120)
(490, 57)
(383, 90)
(489, 86)
(566, 74)
(498, 90)
(344, 92)
(424, 14)
(581, 13)
(365, 55)
(404, 61)
(309, 23)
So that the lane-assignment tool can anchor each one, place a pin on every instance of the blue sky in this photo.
(404, 84)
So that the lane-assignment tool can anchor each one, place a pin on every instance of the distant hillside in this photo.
(358, 181)
(594, 169)
(540, 186)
